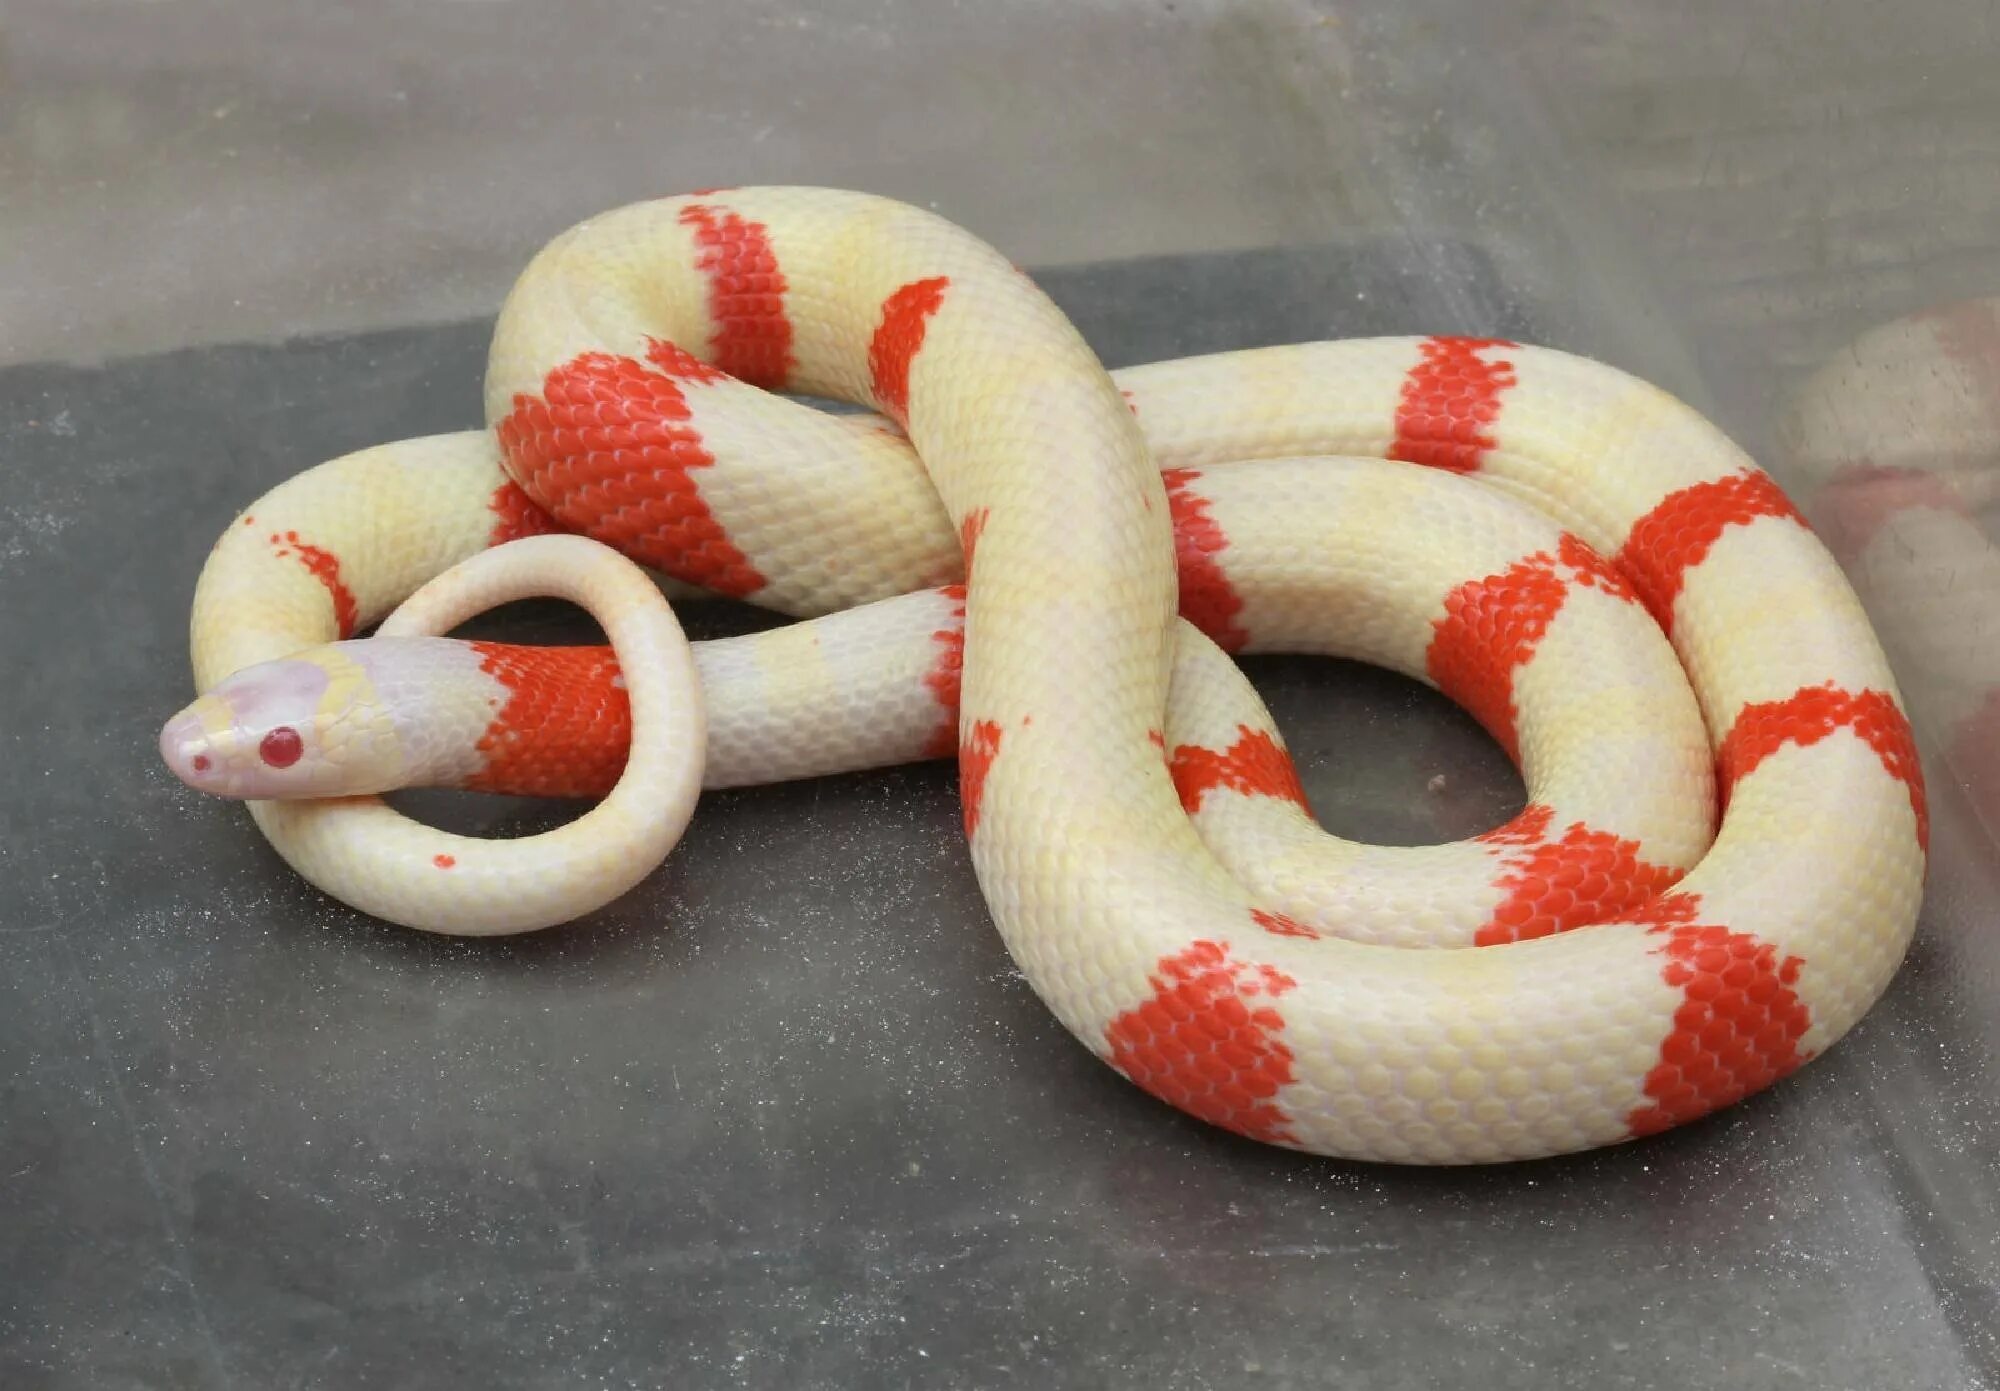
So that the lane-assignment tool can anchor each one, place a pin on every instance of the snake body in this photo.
(1042, 566)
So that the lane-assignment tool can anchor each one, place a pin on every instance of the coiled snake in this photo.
(1717, 873)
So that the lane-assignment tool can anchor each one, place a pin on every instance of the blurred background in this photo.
(1750, 184)
(1788, 215)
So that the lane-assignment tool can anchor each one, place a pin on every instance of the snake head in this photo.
(307, 725)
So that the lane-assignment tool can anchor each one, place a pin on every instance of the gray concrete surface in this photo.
(786, 1116)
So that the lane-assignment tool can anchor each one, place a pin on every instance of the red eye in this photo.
(200, 763)
(281, 747)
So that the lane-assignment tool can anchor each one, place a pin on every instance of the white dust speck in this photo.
(30, 530)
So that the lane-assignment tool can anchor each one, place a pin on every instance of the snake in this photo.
(1007, 554)
(1893, 442)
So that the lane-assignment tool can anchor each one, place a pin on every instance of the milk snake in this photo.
(1717, 873)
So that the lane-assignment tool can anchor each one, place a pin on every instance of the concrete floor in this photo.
(246, 1138)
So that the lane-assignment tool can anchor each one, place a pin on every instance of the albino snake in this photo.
(1609, 963)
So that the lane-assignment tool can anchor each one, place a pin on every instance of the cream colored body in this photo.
(1094, 874)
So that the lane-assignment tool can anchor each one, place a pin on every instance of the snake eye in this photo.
(281, 747)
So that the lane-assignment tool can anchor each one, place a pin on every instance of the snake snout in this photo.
(189, 753)
(251, 734)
